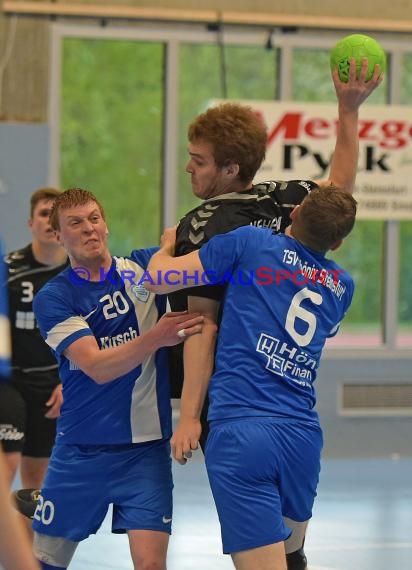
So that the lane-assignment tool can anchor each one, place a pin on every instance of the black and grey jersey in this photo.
(267, 205)
(26, 276)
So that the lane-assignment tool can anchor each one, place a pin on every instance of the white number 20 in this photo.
(44, 511)
(296, 311)
(114, 305)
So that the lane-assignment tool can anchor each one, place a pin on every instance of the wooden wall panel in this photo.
(24, 89)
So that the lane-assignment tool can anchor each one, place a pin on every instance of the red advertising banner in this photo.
(301, 139)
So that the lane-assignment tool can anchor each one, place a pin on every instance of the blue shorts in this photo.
(261, 470)
(83, 480)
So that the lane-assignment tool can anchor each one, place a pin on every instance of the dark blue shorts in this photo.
(83, 480)
(261, 470)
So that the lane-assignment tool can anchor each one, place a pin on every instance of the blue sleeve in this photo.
(350, 289)
(221, 254)
(142, 256)
(58, 322)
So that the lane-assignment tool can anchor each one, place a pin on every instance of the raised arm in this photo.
(350, 97)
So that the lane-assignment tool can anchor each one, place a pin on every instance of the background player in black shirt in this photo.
(227, 146)
(15, 549)
(30, 402)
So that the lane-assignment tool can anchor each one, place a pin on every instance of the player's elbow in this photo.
(98, 372)
(157, 286)
(99, 376)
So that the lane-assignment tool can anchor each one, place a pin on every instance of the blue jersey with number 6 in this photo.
(283, 301)
(133, 408)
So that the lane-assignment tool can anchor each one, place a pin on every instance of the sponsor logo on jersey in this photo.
(273, 224)
(116, 340)
(141, 293)
(287, 361)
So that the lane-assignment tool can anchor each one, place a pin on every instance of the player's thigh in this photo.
(74, 497)
(12, 419)
(33, 471)
(11, 463)
(142, 487)
(299, 460)
(148, 548)
(271, 557)
(40, 431)
(241, 461)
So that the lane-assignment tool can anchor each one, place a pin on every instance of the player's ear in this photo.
(232, 169)
(294, 212)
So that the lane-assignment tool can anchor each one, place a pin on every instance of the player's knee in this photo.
(149, 562)
(296, 560)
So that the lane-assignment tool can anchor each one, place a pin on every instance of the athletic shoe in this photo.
(25, 501)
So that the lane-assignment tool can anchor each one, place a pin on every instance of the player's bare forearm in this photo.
(198, 367)
(351, 95)
(104, 366)
(168, 273)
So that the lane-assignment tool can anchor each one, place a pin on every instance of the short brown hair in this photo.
(69, 199)
(237, 134)
(45, 193)
(326, 216)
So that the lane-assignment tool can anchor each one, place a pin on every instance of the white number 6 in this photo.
(296, 311)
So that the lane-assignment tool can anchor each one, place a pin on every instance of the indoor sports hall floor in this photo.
(362, 521)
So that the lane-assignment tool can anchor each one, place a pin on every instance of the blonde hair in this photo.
(70, 198)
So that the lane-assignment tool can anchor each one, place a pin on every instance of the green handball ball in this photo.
(357, 46)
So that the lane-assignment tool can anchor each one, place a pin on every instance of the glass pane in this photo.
(111, 133)
(250, 74)
(314, 64)
(406, 80)
(405, 297)
(361, 253)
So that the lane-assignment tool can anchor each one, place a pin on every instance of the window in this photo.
(113, 101)
(111, 133)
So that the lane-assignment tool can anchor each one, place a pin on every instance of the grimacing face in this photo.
(83, 233)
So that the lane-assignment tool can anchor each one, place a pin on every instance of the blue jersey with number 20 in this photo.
(133, 408)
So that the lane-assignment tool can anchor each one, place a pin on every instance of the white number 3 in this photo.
(27, 290)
